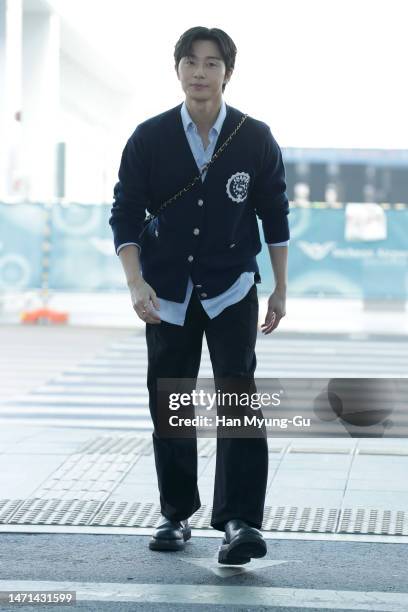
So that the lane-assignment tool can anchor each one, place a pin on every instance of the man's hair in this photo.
(225, 44)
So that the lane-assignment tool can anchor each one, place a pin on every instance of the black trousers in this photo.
(241, 471)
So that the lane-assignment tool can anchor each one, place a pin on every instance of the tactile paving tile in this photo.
(125, 514)
(206, 447)
(292, 519)
(87, 477)
(95, 470)
(132, 444)
(116, 444)
(295, 518)
(8, 507)
(373, 521)
(51, 512)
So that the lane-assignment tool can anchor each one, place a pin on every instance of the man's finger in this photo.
(271, 322)
(155, 302)
(149, 317)
(270, 316)
(275, 323)
(266, 329)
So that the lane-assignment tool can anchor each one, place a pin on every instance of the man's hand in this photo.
(276, 310)
(143, 297)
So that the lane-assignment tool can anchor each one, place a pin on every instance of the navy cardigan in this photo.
(211, 232)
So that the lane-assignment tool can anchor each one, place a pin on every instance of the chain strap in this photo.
(150, 216)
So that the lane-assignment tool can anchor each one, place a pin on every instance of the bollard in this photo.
(45, 315)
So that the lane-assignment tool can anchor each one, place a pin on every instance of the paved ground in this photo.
(119, 572)
(79, 498)
(96, 377)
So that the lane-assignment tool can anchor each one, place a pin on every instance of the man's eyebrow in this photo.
(207, 57)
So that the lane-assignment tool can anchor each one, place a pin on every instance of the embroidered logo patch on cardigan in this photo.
(237, 186)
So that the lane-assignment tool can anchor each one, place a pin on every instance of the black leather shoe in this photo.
(241, 542)
(170, 535)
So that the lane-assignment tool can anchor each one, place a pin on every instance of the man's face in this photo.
(202, 73)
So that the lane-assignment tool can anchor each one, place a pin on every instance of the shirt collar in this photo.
(187, 120)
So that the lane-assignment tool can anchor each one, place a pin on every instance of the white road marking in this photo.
(226, 571)
(80, 423)
(375, 601)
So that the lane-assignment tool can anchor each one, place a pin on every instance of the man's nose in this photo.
(199, 70)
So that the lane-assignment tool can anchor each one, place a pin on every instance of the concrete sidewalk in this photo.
(93, 468)
(55, 478)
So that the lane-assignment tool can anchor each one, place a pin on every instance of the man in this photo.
(193, 270)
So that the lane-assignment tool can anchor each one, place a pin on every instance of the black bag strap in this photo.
(151, 216)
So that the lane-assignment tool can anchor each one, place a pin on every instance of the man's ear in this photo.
(228, 75)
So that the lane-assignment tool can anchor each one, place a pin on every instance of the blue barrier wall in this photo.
(21, 237)
(81, 255)
(322, 262)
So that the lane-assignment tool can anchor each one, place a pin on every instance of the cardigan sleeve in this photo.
(130, 193)
(269, 193)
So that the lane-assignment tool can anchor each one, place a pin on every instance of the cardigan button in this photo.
(196, 231)
(232, 245)
(198, 286)
(200, 202)
(156, 233)
(190, 258)
(204, 295)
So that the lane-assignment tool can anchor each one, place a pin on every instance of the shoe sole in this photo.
(241, 549)
(173, 544)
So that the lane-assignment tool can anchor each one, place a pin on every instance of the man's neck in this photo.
(204, 113)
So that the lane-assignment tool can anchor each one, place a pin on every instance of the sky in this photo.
(321, 73)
